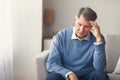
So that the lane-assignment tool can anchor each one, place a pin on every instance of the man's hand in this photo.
(96, 31)
(72, 76)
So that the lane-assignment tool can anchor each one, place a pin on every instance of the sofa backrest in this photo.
(112, 51)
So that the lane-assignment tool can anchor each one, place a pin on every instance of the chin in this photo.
(80, 36)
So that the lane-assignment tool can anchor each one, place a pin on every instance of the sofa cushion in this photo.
(112, 51)
(117, 68)
(113, 76)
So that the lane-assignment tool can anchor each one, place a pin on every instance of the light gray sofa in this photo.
(112, 55)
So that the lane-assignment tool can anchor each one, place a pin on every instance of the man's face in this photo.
(82, 27)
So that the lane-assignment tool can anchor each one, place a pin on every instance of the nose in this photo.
(81, 28)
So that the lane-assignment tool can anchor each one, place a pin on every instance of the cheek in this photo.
(87, 30)
(77, 29)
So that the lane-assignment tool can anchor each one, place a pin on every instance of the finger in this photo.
(93, 23)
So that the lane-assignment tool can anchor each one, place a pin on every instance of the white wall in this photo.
(27, 37)
(65, 10)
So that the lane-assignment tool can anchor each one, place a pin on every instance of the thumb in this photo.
(91, 30)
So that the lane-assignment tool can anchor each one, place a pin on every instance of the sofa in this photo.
(112, 56)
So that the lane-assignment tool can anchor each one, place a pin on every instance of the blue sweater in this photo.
(80, 57)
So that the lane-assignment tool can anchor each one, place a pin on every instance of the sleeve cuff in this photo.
(67, 75)
(96, 43)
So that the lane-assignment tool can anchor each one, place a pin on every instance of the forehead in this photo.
(82, 21)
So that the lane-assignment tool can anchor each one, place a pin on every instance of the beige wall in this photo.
(65, 10)
(27, 37)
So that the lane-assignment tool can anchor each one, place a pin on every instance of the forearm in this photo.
(54, 67)
(99, 57)
(99, 38)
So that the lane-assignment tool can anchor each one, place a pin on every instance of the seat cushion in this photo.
(117, 68)
(114, 76)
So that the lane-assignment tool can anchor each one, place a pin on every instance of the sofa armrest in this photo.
(40, 62)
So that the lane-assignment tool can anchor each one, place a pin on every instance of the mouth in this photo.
(79, 34)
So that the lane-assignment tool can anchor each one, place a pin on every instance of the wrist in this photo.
(99, 39)
(68, 77)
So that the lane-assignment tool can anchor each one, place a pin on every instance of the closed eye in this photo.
(80, 24)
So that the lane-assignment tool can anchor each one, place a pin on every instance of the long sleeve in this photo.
(99, 56)
(54, 62)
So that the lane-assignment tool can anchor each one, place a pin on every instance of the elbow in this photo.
(99, 67)
(48, 67)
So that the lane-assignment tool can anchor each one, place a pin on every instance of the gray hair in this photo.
(87, 13)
